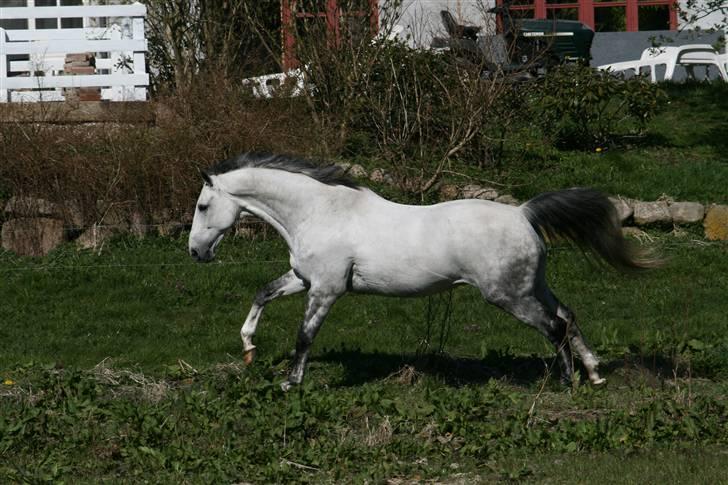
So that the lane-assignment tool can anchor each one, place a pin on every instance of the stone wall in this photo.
(34, 227)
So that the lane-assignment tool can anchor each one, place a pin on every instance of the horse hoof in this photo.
(249, 356)
(599, 382)
(286, 386)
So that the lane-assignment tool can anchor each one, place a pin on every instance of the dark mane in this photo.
(327, 174)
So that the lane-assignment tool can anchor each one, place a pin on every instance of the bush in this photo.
(578, 107)
(416, 109)
(149, 170)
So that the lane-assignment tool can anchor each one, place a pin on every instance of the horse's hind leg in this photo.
(576, 339)
(534, 313)
(566, 319)
(288, 284)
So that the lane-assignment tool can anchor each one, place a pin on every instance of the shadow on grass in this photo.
(361, 367)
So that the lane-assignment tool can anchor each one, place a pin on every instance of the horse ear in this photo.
(205, 177)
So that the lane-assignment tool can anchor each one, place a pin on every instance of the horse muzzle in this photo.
(208, 254)
(202, 257)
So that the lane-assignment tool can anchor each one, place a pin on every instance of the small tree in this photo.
(693, 12)
(418, 109)
(190, 36)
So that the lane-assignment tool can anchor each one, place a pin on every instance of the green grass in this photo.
(683, 156)
(80, 308)
(127, 364)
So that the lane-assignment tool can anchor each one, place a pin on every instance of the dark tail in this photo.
(588, 219)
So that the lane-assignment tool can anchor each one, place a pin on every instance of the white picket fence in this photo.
(32, 60)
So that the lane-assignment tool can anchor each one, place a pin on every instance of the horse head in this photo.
(215, 213)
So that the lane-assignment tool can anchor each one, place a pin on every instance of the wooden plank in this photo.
(91, 33)
(56, 64)
(79, 112)
(133, 10)
(75, 46)
(81, 81)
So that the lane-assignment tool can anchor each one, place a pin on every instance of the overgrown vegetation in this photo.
(423, 117)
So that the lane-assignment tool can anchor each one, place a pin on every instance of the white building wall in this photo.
(421, 18)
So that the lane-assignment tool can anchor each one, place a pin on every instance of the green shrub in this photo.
(578, 107)
(416, 109)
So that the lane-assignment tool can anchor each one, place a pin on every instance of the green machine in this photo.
(549, 42)
(526, 48)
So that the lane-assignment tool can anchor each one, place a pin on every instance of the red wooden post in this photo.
(499, 18)
(586, 13)
(374, 17)
(673, 15)
(539, 9)
(632, 23)
(332, 23)
(288, 38)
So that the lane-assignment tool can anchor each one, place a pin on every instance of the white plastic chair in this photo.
(687, 55)
(700, 55)
(650, 58)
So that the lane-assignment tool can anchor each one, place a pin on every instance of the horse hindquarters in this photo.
(515, 281)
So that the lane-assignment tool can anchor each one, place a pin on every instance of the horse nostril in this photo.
(193, 253)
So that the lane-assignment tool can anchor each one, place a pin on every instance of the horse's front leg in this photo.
(288, 284)
(317, 308)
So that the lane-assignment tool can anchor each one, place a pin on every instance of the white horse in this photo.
(343, 237)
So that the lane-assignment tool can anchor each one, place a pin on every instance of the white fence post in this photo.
(3, 68)
(140, 66)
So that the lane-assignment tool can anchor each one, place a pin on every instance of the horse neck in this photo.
(285, 200)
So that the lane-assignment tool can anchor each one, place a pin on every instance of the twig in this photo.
(298, 465)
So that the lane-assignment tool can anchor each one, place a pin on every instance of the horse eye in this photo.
(202, 207)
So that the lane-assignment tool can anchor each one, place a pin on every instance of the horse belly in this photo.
(398, 280)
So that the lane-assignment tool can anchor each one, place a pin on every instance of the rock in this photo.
(624, 210)
(35, 236)
(71, 213)
(686, 212)
(357, 171)
(31, 207)
(508, 200)
(448, 192)
(167, 225)
(716, 223)
(95, 237)
(473, 191)
(634, 232)
(112, 216)
(380, 176)
(138, 225)
(170, 229)
(651, 213)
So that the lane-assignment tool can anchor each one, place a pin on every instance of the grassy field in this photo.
(128, 364)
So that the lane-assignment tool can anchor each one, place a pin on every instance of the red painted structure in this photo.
(333, 12)
(588, 9)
